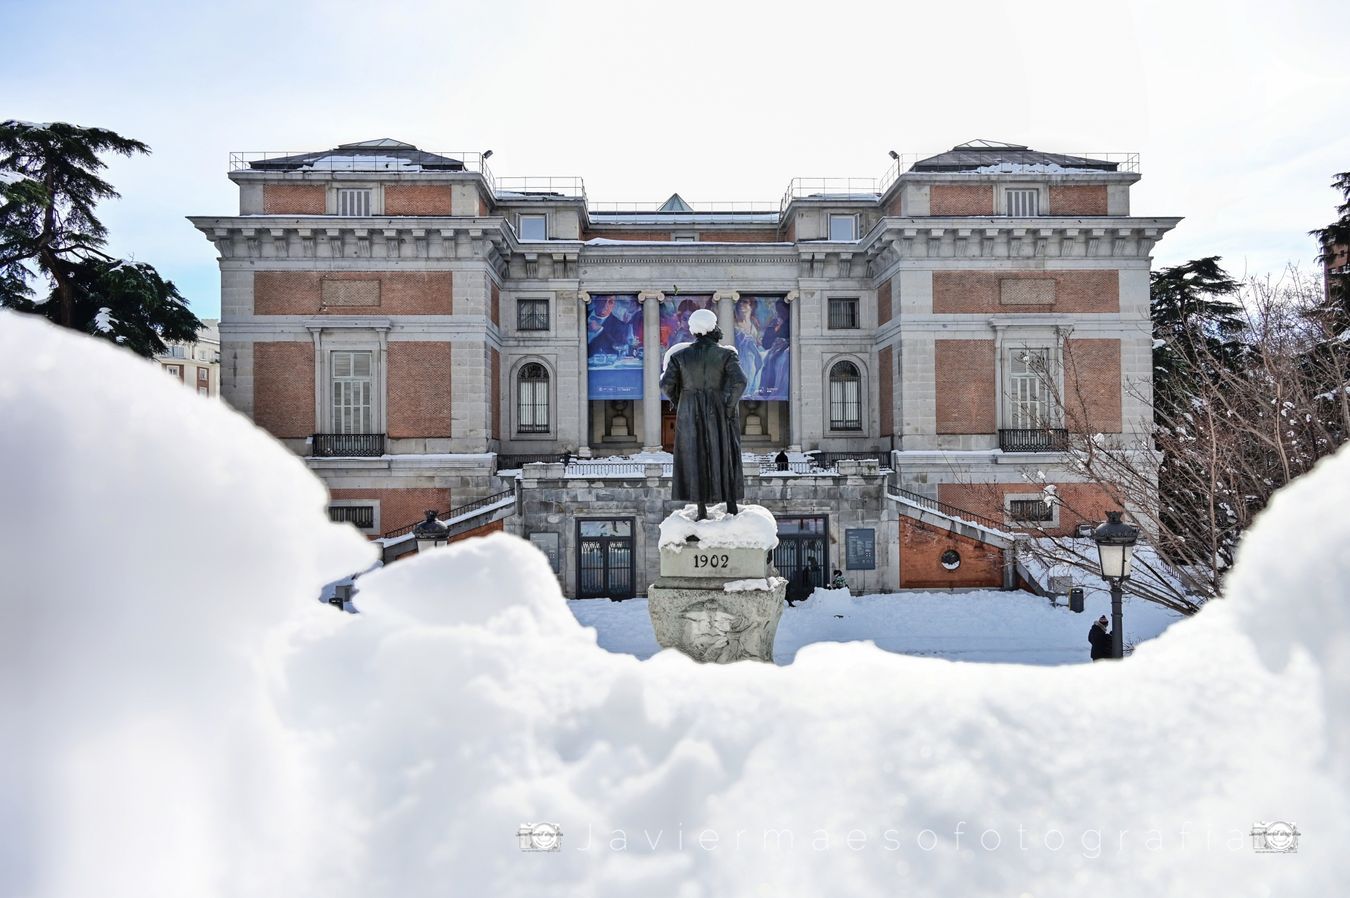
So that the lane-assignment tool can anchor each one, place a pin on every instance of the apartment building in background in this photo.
(197, 364)
(427, 335)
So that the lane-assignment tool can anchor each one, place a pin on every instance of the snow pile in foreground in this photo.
(752, 528)
(181, 718)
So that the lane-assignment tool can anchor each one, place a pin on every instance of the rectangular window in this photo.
(1028, 389)
(360, 516)
(203, 376)
(353, 392)
(685, 238)
(843, 227)
(176, 352)
(845, 404)
(1030, 511)
(174, 371)
(533, 227)
(532, 314)
(353, 201)
(1023, 203)
(843, 313)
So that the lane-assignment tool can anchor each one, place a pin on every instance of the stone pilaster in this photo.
(726, 315)
(583, 378)
(651, 369)
(795, 387)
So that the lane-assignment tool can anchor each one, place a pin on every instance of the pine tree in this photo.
(1197, 329)
(51, 237)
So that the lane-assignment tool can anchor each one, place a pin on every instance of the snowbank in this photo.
(182, 718)
(753, 528)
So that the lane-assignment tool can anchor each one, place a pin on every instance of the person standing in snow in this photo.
(838, 582)
(1100, 639)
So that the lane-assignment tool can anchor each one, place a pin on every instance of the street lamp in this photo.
(1115, 547)
(430, 533)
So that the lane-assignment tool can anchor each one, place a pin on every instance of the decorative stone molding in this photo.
(645, 295)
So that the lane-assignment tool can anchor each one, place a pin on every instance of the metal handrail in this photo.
(571, 186)
(705, 206)
(950, 511)
(454, 512)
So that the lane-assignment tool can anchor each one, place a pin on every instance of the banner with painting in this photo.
(763, 340)
(614, 347)
(675, 312)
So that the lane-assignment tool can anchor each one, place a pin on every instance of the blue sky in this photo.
(1239, 109)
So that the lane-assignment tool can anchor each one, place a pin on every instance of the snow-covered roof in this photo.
(979, 155)
(383, 154)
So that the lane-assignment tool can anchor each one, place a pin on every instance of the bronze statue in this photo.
(704, 382)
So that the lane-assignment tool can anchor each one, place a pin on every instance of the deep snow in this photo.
(180, 717)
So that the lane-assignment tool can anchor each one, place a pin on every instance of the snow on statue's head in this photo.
(702, 322)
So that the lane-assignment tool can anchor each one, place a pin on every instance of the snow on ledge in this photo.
(753, 528)
(761, 583)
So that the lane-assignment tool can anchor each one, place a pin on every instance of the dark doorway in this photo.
(802, 555)
(605, 558)
(667, 425)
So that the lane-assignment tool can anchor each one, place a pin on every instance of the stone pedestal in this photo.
(718, 598)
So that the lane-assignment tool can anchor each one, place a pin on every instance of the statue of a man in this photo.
(704, 381)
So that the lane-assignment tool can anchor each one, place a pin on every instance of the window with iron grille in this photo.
(1028, 389)
(353, 392)
(845, 397)
(1030, 511)
(353, 201)
(1024, 203)
(532, 314)
(532, 399)
(360, 516)
(843, 313)
(533, 227)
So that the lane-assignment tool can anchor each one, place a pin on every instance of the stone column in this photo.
(583, 378)
(795, 369)
(651, 369)
(726, 315)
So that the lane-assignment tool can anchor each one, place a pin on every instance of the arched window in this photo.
(845, 397)
(532, 399)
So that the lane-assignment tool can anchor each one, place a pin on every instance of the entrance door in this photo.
(667, 425)
(605, 558)
(801, 555)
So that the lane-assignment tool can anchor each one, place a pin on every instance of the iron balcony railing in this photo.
(347, 445)
(456, 512)
(829, 460)
(1040, 439)
(950, 511)
(514, 461)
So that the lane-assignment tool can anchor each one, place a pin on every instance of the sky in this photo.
(1239, 110)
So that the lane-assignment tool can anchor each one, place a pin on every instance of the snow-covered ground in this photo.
(985, 625)
(179, 717)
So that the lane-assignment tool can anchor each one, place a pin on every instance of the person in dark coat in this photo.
(704, 382)
(781, 460)
(1100, 639)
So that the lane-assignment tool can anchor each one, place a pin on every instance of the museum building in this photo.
(427, 335)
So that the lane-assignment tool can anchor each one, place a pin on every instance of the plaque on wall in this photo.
(548, 544)
(860, 549)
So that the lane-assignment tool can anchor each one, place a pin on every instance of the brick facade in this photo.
(886, 389)
(961, 199)
(294, 199)
(1092, 385)
(883, 303)
(627, 234)
(417, 199)
(1080, 501)
(979, 292)
(283, 388)
(419, 389)
(400, 292)
(767, 236)
(1077, 199)
(495, 311)
(398, 508)
(921, 549)
(495, 400)
(964, 374)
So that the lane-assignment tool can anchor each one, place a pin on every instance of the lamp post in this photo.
(1115, 548)
(430, 533)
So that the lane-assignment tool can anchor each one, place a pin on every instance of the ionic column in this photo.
(583, 378)
(795, 369)
(651, 369)
(726, 315)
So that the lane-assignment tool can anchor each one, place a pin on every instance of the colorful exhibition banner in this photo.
(614, 347)
(675, 312)
(763, 339)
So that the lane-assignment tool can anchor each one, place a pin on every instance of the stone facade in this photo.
(447, 308)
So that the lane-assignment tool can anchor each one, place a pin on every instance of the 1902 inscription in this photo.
(702, 560)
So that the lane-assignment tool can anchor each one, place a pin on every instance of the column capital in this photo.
(791, 296)
(584, 297)
(650, 294)
(732, 295)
